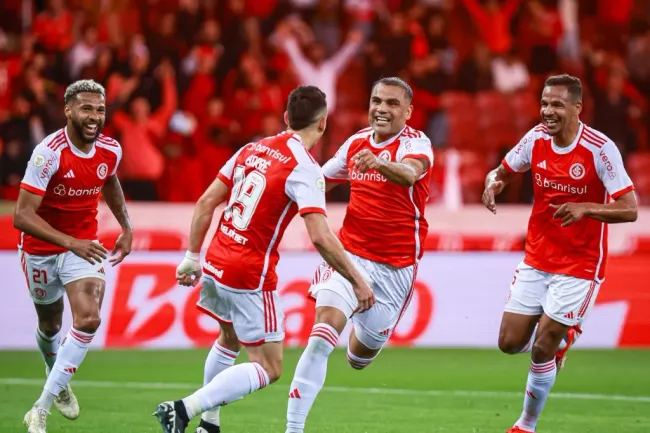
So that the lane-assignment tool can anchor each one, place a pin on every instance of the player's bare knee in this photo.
(273, 368)
(87, 323)
(510, 345)
(228, 339)
(332, 317)
(49, 327)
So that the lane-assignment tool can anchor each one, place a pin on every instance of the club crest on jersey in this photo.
(102, 170)
(385, 154)
(40, 293)
(577, 171)
(39, 160)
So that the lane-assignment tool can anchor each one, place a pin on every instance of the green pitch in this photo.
(405, 390)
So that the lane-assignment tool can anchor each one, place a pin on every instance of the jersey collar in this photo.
(385, 142)
(564, 150)
(74, 148)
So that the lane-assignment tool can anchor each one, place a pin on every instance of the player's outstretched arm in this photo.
(114, 198)
(329, 246)
(623, 210)
(189, 271)
(27, 220)
(495, 181)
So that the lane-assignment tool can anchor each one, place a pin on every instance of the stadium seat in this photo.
(525, 110)
(462, 115)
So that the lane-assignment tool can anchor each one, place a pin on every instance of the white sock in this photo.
(70, 355)
(49, 346)
(541, 378)
(231, 384)
(529, 347)
(218, 360)
(359, 363)
(310, 375)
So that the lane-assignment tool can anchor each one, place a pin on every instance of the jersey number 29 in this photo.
(246, 193)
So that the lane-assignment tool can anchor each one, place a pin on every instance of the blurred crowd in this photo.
(188, 82)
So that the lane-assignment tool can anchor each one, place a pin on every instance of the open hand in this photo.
(492, 190)
(123, 245)
(365, 296)
(92, 252)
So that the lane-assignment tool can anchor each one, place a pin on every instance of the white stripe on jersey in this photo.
(417, 224)
(267, 257)
(600, 244)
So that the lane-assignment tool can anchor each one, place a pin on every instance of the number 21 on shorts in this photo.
(246, 194)
(39, 276)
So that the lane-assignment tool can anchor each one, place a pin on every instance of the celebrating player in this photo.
(576, 170)
(56, 213)
(387, 166)
(267, 182)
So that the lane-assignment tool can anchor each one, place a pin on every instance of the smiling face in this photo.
(86, 114)
(559, 109)
(389, 110)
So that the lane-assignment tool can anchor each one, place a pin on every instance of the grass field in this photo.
(405, 390)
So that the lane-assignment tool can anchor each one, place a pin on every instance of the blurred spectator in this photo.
(510, 73)
(612, 111)
(191, 81)
(429, 81)
(436, 32)
(493, 22)
(314, 68)
(142, 162)
(638, 61)
(101, 68)
(475, 74)
(14, 157)
(84, 52)
(53, 27)
(326, 25)
(570, 44)
(541, 31)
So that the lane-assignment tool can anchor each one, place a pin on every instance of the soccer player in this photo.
(388, 168)
(266, 183)
(56, 213)
(576, 170)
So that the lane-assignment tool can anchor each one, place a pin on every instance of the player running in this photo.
(388, 168)
(266, 184)
(56, 213)
(576, 170)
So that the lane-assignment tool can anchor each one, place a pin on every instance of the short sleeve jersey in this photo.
(589, 170)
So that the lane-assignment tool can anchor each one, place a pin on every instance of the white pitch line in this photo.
(385, 391)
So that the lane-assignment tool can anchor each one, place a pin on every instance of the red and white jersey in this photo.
(70, 182)
(270, 180)
(589, 170)
(384, 222)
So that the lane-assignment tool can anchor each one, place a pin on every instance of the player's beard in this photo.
(82, 134)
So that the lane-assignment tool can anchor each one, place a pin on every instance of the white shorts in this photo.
(565, 299)
(393, 288)
(46, 276)
(256, 316)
